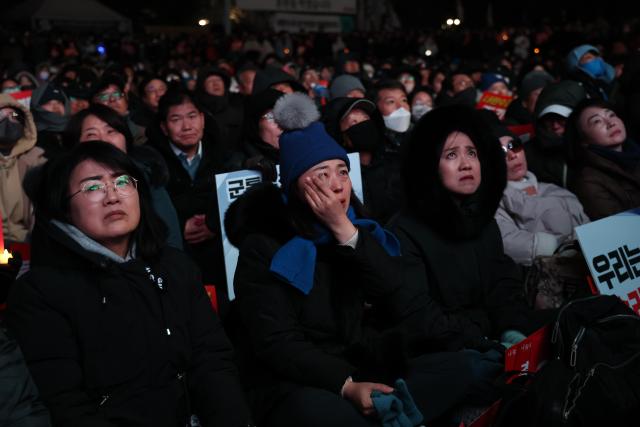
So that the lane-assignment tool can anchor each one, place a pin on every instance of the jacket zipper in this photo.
(104, 399)
(556, 328)
(582, 331)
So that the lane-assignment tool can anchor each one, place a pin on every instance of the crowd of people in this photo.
(342, 306)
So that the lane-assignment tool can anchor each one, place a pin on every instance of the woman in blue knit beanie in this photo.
(325, 328)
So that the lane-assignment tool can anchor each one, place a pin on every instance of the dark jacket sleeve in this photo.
(52, 355)
(19, 403)
(216, 392)
(268, 308)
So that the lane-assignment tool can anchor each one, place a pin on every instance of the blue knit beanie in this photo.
(488, 79)
(304, 142)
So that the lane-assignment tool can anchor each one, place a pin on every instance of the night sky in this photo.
(414, 14)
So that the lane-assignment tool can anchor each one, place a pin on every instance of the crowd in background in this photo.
(480, 151)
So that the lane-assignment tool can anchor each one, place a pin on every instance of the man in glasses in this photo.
(110, 91)
(534, 217)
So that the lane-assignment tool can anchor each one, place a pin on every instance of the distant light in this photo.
(101, 49)
(456, 21)
(286, 51)
(505, 37)
(536, 51)
(428, 52)
(203, 22)
(449, 21)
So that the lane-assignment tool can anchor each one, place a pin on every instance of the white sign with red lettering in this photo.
(611, 247)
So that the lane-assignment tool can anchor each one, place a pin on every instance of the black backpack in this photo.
(593, 378)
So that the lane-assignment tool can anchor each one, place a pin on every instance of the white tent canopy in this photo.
(45, 14)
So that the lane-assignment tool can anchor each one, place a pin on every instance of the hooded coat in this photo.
(381, 177)
(50, 125)
(109, 344)
(15, 206)
(288, 340)
(219, 109)
(453, 248)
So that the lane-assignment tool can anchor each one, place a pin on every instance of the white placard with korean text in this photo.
(230, 186)
(611, 247)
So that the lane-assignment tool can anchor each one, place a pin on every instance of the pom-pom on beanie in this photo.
(304, 142)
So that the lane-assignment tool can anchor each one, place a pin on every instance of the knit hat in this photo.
(573, 58)
(270, 76)
(206, 72)
(305, 142)
(490, 78)
(342, 85)
(534, 80)
(52, 93)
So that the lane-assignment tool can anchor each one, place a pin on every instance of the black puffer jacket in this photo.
(108, 344)
(454, 248)
(288, 339)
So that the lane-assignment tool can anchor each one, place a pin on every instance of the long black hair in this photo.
(52, 195)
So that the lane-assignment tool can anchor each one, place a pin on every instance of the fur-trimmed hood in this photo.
(260, 210)
(427, 198)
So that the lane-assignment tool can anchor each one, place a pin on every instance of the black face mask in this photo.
(365, 136)
(10, 132)
(466, 97)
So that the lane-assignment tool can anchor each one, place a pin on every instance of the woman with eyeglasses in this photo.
(534, 217)
(101, 123)
(608, 161)
(115, 326)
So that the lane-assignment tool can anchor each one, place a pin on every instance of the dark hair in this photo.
(52, 195)
(109, 116)
(106, 81)
(175, 96)
(574, 135)
(385, 84)
(145, 81)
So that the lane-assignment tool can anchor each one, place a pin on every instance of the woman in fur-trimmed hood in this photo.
(312, 353)
(454, 176)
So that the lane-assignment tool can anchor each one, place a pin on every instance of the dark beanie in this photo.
(52, 93)
(490, 78)
(534, 80)
(304, 142)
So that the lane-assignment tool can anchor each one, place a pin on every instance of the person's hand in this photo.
(196, 231)
(329, 207)
(359, 393)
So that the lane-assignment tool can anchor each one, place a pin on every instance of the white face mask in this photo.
(419, 110)
(399, 120)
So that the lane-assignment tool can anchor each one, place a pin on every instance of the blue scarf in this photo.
(295, 261)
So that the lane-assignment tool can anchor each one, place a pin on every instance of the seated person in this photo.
(608, 162)
(454, 175)
(116, 327)
(534, 217)
(308, 262)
